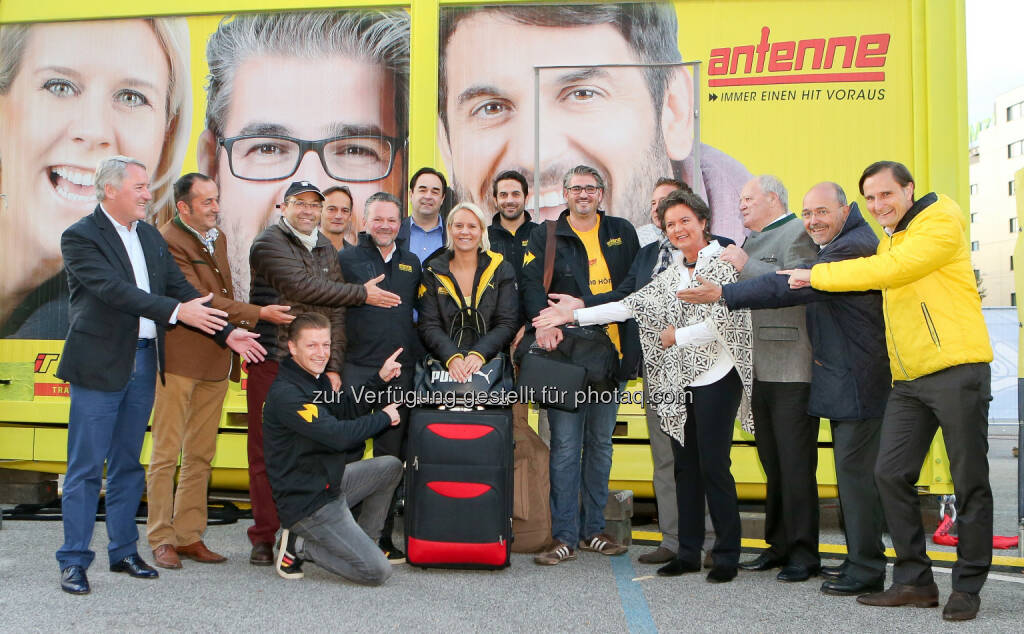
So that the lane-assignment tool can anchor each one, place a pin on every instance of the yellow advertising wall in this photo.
(901, 95)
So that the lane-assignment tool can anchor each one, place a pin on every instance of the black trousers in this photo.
(787, 444)
(391, 441)
(855, 446)
(956, 400)
(702, 470)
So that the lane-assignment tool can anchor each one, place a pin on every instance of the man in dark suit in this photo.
(125, 289)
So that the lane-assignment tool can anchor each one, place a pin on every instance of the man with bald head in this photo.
(849, 377)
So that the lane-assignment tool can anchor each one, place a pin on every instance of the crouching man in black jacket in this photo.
(310, 433)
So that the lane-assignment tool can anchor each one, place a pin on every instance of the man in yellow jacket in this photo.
(939, 353)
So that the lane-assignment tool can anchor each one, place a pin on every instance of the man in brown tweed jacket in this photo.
(188, 406)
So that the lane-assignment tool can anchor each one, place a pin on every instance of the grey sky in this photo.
(994, 63)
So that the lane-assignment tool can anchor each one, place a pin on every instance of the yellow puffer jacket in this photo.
(932, 309)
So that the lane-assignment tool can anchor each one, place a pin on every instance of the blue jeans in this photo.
(581, 460)
(106, 427)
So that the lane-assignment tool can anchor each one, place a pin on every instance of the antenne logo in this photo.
(777, 62)
(45, 361)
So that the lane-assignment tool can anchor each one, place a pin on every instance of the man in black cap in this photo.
(293, 264)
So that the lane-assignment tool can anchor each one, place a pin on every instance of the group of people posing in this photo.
(797, 324)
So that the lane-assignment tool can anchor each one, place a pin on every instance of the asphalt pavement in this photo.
(593, 594)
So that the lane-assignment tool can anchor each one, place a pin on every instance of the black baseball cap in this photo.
(301, 187)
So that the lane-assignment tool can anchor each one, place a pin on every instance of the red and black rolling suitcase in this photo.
(459, 488)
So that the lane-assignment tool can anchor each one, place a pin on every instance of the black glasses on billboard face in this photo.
(355, 159)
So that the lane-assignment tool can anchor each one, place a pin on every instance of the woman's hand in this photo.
(462, 368)
(668, 337)
(456, 368)
(471, 364)
(553, 316)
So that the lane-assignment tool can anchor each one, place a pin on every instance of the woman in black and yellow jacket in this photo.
(468, 300)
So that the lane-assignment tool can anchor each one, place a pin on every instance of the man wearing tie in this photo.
(125, 290)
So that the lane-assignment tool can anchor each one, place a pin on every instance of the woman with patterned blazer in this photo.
(697, 374)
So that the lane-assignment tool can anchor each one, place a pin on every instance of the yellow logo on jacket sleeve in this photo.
(528, 257)
(308, 412)
(614, 242)
(405, 267)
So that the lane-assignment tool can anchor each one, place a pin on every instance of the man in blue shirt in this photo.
(422, 232)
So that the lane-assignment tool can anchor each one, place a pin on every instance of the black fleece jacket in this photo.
(374, 333)
(309, 432)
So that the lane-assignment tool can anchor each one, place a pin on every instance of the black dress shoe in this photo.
(74, 581)
(136, 567)
(722, 574)
(847, 586)
(764, 561)
(833, 572)
(796, 572)
(678, 567)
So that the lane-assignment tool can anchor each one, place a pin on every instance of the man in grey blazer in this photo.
(785, 435)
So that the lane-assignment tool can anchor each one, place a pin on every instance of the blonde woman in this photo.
(71, 94)
(469, 301)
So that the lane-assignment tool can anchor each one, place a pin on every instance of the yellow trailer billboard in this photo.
(805, 91)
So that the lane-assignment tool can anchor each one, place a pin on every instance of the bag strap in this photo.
(549, 256)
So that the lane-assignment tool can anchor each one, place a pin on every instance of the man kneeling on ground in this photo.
(310, 433)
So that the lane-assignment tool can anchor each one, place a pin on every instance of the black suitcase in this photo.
(459, 476)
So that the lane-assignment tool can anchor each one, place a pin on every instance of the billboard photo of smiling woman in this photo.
(66, 103)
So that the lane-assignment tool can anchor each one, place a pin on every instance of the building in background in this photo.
(996, 153)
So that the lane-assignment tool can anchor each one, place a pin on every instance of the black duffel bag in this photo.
(432, 382)
(585, 358)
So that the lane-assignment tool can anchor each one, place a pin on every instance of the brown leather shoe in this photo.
(961, 606)
(199, 552)
(262, 554)
(899, 594)
(165, 557)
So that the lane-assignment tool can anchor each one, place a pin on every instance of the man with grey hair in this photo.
(785, 435)
(353, 132)
(593, 255)
(125, 291)
(374, 333)
(615, 101)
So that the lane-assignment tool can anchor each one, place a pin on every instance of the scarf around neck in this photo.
(307, 241)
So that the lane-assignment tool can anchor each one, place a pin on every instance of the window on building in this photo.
(975, 246)
(1013, 225)
(1011, 262)
(1012, 188)
(974, 216)
(974, 189)
(1015, 149)
(1013, 299)
(1016, 111)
